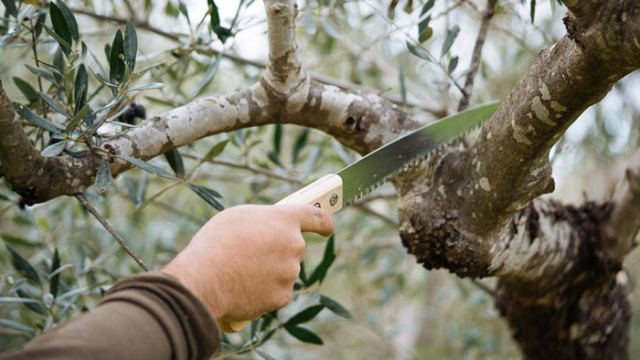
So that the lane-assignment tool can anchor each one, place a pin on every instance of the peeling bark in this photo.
(472, 209)
(284, 94)
(579, 312)
(477, 216)
(476, 190)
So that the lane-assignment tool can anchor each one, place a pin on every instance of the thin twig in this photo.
(487, 15)
(394, 98)
(247, 167)
(484, 287)
(139, 24)
(34, 48)
(389, 221)
(170, 208)
(132, 10)
(516, 38)
(83, 201)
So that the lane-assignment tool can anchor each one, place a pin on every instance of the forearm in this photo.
(149, 316)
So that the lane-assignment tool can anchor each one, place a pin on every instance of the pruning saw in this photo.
(334, 192)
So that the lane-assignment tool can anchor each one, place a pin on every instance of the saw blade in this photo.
(371, 171)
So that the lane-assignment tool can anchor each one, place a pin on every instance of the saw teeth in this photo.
(412, 164)
(368, 190)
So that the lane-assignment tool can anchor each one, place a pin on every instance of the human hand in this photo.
(245, 260)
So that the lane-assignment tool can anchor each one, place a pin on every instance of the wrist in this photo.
(196, 286)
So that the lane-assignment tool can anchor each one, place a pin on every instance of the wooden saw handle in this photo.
(325, 193)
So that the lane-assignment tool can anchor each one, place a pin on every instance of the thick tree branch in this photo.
(472, 210)
(461, 220)
(33, 176)
(582, 9)
(561, 286)
(210, 51)
(285, 94)
(476, 190)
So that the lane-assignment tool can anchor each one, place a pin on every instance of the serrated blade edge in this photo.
(374, 169)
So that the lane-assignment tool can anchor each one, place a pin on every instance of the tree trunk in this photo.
(583, 315)
(472, 209)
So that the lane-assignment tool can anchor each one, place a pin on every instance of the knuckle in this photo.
(298, 244)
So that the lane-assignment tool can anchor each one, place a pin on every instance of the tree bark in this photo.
(561, 286)
(472, 209)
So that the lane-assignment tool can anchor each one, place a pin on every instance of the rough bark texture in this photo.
(472, 209)
(582, 314)
(559, 288)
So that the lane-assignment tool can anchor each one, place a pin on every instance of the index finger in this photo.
(311, 218)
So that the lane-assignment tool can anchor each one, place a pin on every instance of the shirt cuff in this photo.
(185, 317)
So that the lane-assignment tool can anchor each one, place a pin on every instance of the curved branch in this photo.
(461, 220)
(438, 112)
(35, 177)
(284, 94)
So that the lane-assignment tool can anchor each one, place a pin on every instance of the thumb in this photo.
(311, 218)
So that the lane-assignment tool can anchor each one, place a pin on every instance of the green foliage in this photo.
(27, 90)
(130, 46)
(304, 334)
(117, 62)
(54, 149)
(150, 168)
(274, 155)
(215, 150)
(222, 32)
(35, 119)
(335, 307)
(304, 316)
(453, 64)
(70, 23)
(54, 280)
(299, 145)
(10, 7)
(208, 195)
(175, 161)
(452, 35)
(81, 88)
(22, 266)
(320, 271)
(424, 31)
(103, 177)
(60, 27)
(78, 92)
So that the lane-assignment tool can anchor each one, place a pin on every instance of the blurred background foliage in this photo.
(80, 71)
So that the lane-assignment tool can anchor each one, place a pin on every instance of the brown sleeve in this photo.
(148, 316)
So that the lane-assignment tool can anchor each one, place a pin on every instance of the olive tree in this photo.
(474, 207)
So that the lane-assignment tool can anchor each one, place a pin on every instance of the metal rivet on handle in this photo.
(334, 199)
